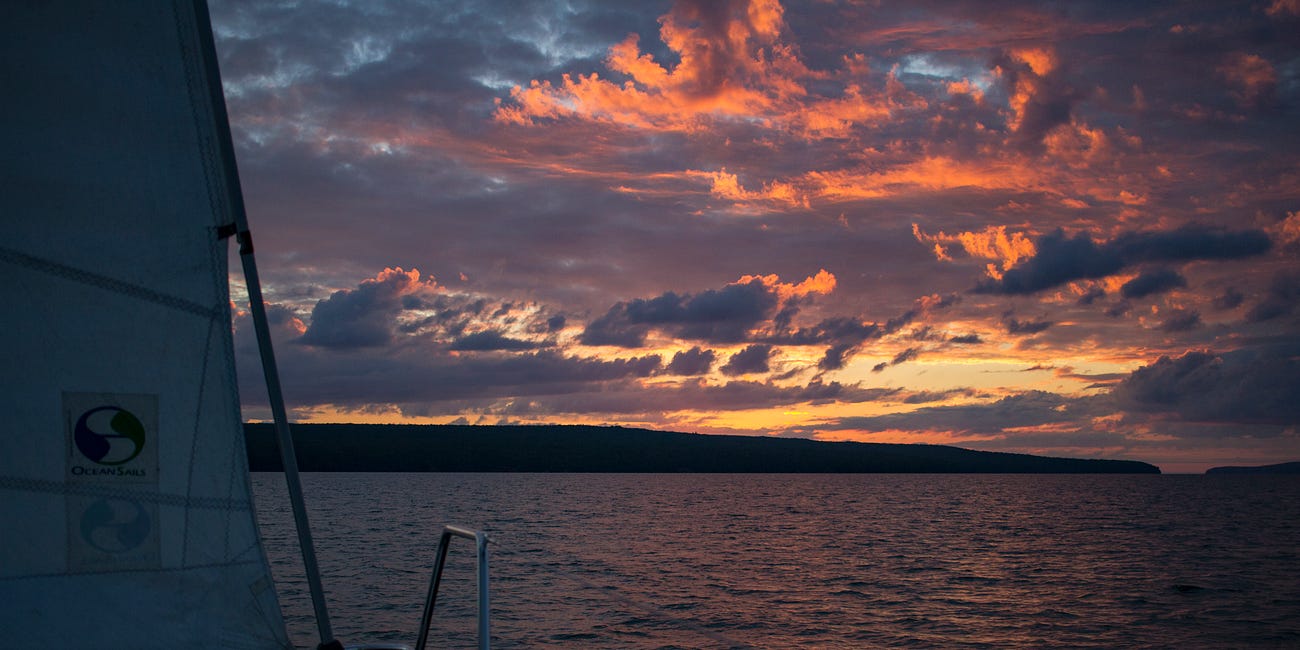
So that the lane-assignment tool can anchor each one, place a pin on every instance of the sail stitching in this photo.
(104, 282)
(206, 156)
(154, 570)
(56, 487)
(198, 100)
(194, 439)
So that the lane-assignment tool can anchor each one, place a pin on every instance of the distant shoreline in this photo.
(590, 449)
(1279, 468)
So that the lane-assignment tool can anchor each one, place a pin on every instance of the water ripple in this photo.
(825, 561)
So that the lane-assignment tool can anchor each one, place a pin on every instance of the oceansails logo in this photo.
(109, 435)
(112, 437)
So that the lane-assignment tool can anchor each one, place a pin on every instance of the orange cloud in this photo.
(726, 185)
(732, 64)
(1040, 60)
(930, 173)
(1252, 77)
(1282, 7)
(965, 87)
(823, 283)
(402, 282)
(992, 244)
(835, 117)
(1287, 231)
(1027, 82)
(1077, 144)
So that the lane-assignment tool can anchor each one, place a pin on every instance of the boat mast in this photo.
(258, 309)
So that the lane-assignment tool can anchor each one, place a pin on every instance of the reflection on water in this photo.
(773, 561)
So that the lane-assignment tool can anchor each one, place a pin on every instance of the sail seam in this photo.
(202, 122)
(74, 489)
(182, 569)
(104, 282)
(194, 439)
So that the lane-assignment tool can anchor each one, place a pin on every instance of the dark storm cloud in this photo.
(652, 401)
(1257, 386)
(1092, 295)
(717, 315)
(835, 356)
(1189, 243)
(1152, 281)
(1024, 327)
(905, 356)
(752, 309)
(695, 394)
(397, 307)
(1181, 320)
(966, 339)
(902, 357)
(742, 394)
(1061, 258)
(847, 334)
(1049, 100)
(489, 340)
(753, 359)
(361, 317)
(285, 325)
(929, 397)
(1118, 309)
(1231, 298)
(1252, 390)
(848, 330)
(422, 374)
(1098, 379)
(1082, 443)
(1034, 408)
(420, 379)
(691, 362)
(1280, 300)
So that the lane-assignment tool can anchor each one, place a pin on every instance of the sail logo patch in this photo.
(112, 445)
(112, 437)
(115, 526)
(112, 534)
(109, 435)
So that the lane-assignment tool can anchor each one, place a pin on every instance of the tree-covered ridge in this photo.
(571, 448)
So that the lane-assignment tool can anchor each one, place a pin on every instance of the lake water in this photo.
(785, 561)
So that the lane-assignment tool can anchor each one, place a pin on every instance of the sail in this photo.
(124, 488)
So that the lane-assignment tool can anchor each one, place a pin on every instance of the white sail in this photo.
(124, 487)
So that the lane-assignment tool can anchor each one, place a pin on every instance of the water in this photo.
(783, 561)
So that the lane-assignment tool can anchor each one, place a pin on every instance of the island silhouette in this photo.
(579, 448)
(1279, 468)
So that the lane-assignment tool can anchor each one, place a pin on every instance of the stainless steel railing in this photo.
(480, 542)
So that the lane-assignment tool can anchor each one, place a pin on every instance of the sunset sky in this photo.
(1065, 229)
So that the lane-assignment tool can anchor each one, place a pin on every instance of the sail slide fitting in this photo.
(244, 237)
(227, 231)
